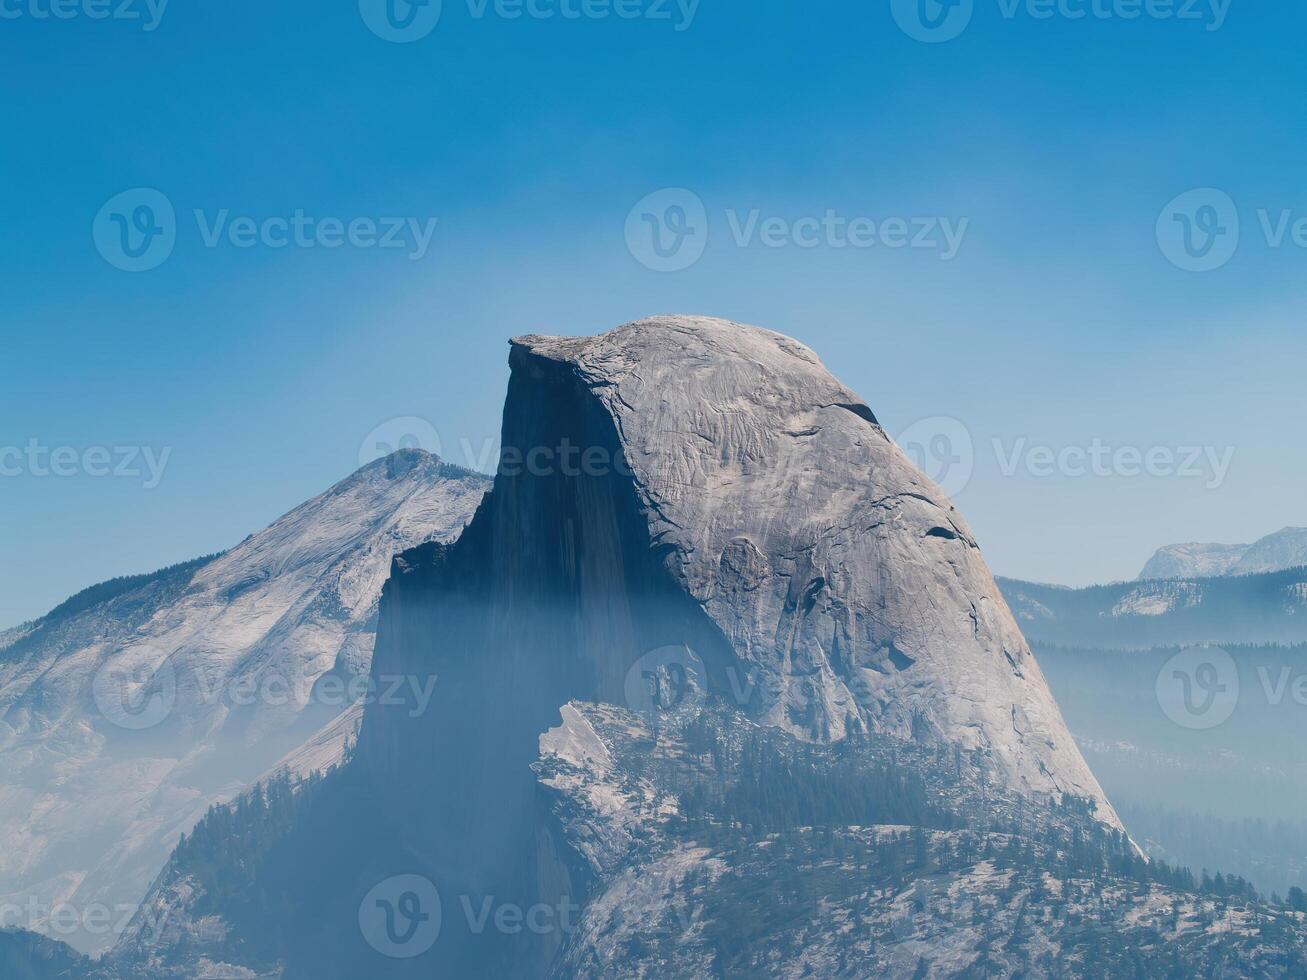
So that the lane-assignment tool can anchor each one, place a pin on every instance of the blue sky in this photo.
(1056, 143)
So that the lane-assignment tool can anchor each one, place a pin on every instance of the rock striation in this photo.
(848, 591)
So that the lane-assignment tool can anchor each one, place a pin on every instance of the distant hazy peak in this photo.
(1193, 560)
(1286, 548)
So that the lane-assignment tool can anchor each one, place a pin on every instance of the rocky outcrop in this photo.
(788, 893)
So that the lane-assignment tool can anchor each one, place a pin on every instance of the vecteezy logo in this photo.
(400, 21)
(941, 448)
(1199, 230)
(136, 230)
(1198, 688)
(932, 21)
(135, 695)
(408, 432)
(400, 917)
(667, 231)
(667, 684)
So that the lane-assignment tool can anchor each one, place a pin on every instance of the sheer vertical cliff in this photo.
(742, 501)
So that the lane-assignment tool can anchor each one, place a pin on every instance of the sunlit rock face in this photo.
(132, 708)
(850, 595)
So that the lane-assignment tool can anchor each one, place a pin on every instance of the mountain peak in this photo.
(289, 605)
(711, 333)
(696, 343)
(1286, 548)
(402, 462)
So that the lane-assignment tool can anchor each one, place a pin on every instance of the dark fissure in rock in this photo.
(861, 411)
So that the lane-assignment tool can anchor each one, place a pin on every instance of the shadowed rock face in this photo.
(552, 593)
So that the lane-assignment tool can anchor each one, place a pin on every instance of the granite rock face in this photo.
(128, 711)
(851, 594)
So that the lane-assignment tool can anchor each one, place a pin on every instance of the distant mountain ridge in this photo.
(1286, 548)
(131, 707)
(14, 641)
(1270, 607)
